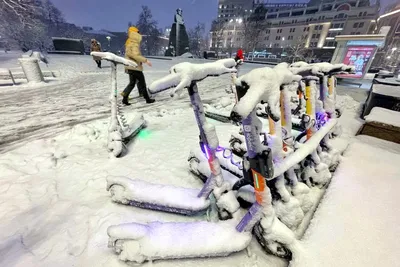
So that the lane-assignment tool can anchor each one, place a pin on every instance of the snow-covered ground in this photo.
(79, 95)
(358, 222)
(54, 207)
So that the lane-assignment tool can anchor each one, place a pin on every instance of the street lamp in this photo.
(109, 42)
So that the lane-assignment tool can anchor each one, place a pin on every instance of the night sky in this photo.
(115, 15)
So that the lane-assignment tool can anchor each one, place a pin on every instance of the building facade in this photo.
(230, 9)
(389, 24)
(286, 25)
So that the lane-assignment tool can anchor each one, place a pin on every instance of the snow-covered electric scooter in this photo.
(157, 240)
(176, 199)
(211, 112)
(230, 157)
(120, 131)
(301, 161)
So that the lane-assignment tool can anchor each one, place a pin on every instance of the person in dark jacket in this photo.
(132, 52)
(96, 47)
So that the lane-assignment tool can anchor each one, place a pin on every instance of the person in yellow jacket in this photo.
(132, 52)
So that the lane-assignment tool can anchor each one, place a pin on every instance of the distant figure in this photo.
(96, 47)
(239, 55)
(132, 52)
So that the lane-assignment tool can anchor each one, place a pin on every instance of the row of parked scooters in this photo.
(268, 182)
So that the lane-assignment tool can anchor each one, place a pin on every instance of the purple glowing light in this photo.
(322, 118)
(204, 148)
(228, 154)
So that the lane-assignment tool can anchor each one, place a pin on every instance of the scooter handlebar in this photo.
(263, 84)
(184, 74)
(114, 58)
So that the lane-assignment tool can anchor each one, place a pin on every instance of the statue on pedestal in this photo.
(178, 38)
(179, 17)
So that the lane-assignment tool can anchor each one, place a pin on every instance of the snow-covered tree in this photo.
(148, 29)
(252, 27)
(218, 28)
(197, 39)
(310, 56)
(18, 10)
(30, 24)
(72, 31)
(297, 50)
(51, 13)
(21, 24)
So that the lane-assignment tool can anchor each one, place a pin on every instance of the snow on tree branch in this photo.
(22, 9)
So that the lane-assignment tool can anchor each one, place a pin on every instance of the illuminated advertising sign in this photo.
(359, 57)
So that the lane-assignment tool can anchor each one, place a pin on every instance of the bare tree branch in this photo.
(297, 50)
(22, 9)
(148, 28)
(197, 38)
(252, 27)
(218, 28)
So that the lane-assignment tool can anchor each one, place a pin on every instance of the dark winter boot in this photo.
(125, 101)
(147, 97)
(99, 64)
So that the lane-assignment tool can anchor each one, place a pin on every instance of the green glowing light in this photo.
(144, 134)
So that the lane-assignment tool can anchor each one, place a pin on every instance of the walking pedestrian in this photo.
(132, 52)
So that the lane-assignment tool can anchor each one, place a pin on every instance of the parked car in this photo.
(375, 69)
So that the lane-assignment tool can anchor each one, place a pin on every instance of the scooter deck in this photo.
(154, 241)
(156, 197)
(133, 130)
(199, 164)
